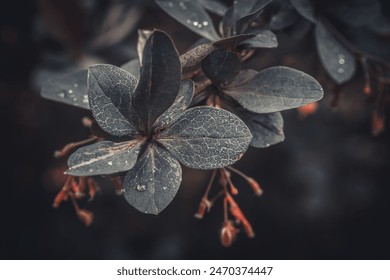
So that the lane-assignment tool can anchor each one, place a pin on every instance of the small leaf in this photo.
(263, 39)
(110, 90)
(104, 158)
(284, 17)
(232, 41)
(133, 67)
(305, 8)
(243, 77)
(275, 89)
(194, 56)
(244, 21)
(159, 81)
(143, 35)
(69, 89)
(214, 6)
(182, 101)
(338, 61)
(221, 66)
(267, 129)
(206, 138)
(153, 182)
(192, 15)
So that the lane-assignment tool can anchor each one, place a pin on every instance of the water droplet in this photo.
(341, 61)
(170, 4)
(90, 170)
(164, 188)
(61, 95)
(74, 99)
(70, 91)
(199, 26)
(141, 188)
(340, 70)
(195, 23)
(205, 23)
(75, 85)
(183, 6)
(109, 163)
(189, 21)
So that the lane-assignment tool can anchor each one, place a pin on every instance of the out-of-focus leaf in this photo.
(207, 138)
(244, 21)
(214, 6)
(192, 15)
(263, 39)
(133, 67)
(381, 25)
(267, 129)
(194, 56)
(243, 77)
(143, 35)
(153, 182)
(221, 66)
(104, 158)
(284, 17)
(275, 89)
(305, 8)
(338, 61)
(69, 89)
(159, 80)
(182, 101)
(356, 13)
(227, 24)
(110, 91)
(232, 41)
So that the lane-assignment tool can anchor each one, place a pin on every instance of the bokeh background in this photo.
(326, 187)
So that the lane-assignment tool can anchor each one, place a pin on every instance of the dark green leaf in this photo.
(153, 182)
(69, 89)
(104, 158)
(159, 81)
(182, 101)
(192, 15)
(275, 89)
(267, 129)
(221, 66)
(338, 61)
(214, 6)
(110, 91)
(305, 8)
(263, 39)
(206, 138)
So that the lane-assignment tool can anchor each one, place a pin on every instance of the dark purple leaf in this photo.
(305, 8)
(338, 61)
(275, 89)
(263, 39)
(153, 182)
(206, 138)
(194, 56)
(214, 6)
(192, 15)
(182, 101)
(69, 89)
(266, 129)
(133, 67)
(104, 158)
(221, 66)
(159, 80)
(110, 91)
(232, 41)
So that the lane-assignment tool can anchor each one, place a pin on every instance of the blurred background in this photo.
(326, 187)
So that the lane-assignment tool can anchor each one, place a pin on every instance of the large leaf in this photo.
(305, 8)
(69, 89)
(275, 89)
(263, 39)
(110, 90)
(214, 6)
(192, 15)
(206, 138)
(104, 158)
(159, 80)
(133, 67)
(338, 61)
(153, 182)
(182, 101)
(266, 129)
(221, 66)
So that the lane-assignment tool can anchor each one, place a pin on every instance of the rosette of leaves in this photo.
(235, 31)
(258, 97)
(149, 132)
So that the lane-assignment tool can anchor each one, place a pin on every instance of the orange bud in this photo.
(62, 195)
(85, 216)
(228, 233)
(307, 110)
(378, 124)
(255, 186)
(367, 89)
